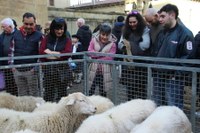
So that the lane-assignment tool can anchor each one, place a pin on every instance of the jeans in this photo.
(168, 91)
(174, 92)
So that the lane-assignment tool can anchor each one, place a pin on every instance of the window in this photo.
(51, 2)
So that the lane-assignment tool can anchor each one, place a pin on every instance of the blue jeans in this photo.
(168, 91)
(174, 92)
(159, 91)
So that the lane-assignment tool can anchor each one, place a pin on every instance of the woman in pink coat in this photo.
(100, 74)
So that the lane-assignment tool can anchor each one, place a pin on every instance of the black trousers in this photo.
(98, 81)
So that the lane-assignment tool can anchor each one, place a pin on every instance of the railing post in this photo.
(149, 83)
(85, 73)
(193, 101)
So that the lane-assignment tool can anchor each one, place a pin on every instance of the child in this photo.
(77, 47)
(103, 41)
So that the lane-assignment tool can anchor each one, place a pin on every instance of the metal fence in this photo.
(166, 81)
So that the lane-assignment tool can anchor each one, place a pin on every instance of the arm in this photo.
(111, 51)
(145, 43)
(187, 47)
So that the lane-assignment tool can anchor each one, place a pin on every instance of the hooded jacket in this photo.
(85, 35)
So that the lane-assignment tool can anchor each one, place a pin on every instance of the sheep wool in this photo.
(101, 103)
(60, 120)
(26, 131)
(119, 119)
(165, 119)
(21, 103)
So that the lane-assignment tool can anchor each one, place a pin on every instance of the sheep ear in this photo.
(71, 102)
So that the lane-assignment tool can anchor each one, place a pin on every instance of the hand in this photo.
(124, 49)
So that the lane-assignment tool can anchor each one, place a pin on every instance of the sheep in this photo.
(119, 119)
(60, 120)
(102, 105)
(165, 119)
(26, 131)
(22, 103)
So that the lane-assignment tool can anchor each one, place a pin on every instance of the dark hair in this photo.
(76, 36)
(105, 28)
(140, 26)
(57, 23)
(120, 18)
(169, 8)
(97, 28)
(28, 15)
(15, 23)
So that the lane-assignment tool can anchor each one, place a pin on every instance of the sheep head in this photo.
(79, 102)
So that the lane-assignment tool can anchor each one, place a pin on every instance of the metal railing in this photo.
(166, 81)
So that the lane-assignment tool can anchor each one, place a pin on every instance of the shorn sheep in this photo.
(165, 119)
(21, 103)
(59, 120)
(119, 119)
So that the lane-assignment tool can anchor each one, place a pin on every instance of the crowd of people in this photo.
(157, 34)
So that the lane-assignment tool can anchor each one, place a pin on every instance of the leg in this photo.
(158, 90)
(101, 86)
(21, 81)
(11, 86)
(174, 92)
(32, 79)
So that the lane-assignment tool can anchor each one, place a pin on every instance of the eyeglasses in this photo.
(30, 24)
(133, 12)
(59, 20)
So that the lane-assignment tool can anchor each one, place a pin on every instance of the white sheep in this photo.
(101, 103)
(165, 119)
(119, 119)
(59, 120)
(21, 103)
(26, 131)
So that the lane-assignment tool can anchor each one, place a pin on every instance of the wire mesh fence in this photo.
(165, 83)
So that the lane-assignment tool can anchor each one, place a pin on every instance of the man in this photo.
(84, 33)
(152, 18)
(26, 43)
(174, 41)
(9, 30)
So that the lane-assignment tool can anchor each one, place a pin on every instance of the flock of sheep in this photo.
(78, 113)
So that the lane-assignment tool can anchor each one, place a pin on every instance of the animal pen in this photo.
(137, 77)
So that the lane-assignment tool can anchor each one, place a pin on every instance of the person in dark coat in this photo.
(117, 31)
(84, 33)
(197, 44)
(9, 29)
(56, 77)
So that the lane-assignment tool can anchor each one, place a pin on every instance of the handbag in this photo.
(2, 81)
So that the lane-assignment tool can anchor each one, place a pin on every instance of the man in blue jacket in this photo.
(26, 43)
(174, 41)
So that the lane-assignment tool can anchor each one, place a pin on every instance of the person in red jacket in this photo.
(56, 76)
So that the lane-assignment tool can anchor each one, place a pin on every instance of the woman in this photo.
(135, 41)
(55, 43)
(103, 41)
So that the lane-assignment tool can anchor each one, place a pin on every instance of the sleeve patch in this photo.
(189, 45)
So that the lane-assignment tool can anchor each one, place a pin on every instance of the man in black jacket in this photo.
(84, 33)
(173, 41)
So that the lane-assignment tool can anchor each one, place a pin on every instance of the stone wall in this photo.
(16, 8)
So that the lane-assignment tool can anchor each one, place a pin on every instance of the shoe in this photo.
(68, 87)
(79, 78)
